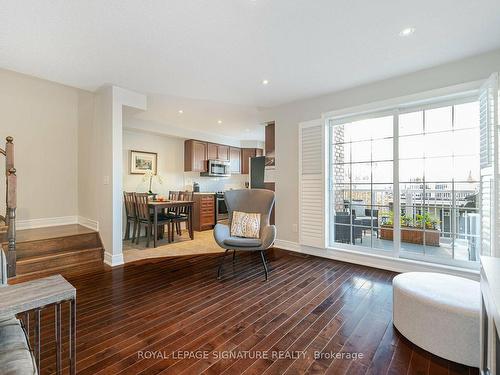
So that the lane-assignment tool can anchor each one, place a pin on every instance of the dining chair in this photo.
(182, 213)
(131, 215)
(145, 217)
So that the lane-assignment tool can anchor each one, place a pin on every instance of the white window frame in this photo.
(434, 99)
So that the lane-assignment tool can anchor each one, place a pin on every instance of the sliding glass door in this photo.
(407, 182)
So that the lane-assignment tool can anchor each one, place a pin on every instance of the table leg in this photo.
(155, 225)
(37, 338)
(72, 337)
(190, 214)
(58, 338)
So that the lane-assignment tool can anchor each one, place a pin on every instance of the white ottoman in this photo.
(439, 313)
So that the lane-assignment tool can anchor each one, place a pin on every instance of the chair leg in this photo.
(219, 271)
(148, 229)
(138, 233)
(127, 231)
(234, 255)
(134, 231)
(263, 257)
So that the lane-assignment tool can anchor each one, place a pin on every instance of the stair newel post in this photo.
(11, 206)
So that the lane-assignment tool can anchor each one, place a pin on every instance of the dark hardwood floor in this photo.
(176, 311)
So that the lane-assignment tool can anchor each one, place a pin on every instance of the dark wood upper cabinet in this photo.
(223, 152)
(235, 159)
(246, 154)
(270, 140)
(212, 151)
(195, 156)
(218, 152)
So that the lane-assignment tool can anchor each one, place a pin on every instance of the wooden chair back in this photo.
(173, 195)
(130, 207)
(141, 204)
(185, 196)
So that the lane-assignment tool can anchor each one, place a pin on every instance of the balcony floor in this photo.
(443, 251)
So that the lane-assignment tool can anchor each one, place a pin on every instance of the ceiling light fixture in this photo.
(407, 31)
(265, 82)
(219, 121)
(181, 111)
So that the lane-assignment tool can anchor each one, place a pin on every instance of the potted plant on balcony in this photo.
(423, 229)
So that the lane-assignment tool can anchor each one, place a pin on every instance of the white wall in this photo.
(42, 117)
(288, 116)
(88, 160)
(170, 152)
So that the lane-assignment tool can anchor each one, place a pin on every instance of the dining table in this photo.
(160, 206)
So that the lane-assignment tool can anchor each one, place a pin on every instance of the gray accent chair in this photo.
(251, 201)
(15, 355)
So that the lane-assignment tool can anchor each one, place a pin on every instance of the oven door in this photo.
(222, 213)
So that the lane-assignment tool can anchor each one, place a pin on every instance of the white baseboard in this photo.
(88, 223)
(113, 259)
(46, 222)
(376, 261)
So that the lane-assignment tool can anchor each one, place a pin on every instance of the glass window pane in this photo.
(467, 115)
(438, 119)
(361, 151)
(466, 142)
(360, 130)
(439, 169)
(361, 172)
(438, 144)
(382, 149)
(411, 147)
(341, 153)
(361, 196)
(411, 123)
(382, 194)
(467, 195)
(382, 172)
(466, 168)
(411, 170)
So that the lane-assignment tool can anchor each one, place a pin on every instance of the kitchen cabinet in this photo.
(218, 152)
(223, 152)
(195, 156)
(246, 154)
(235, 159)
(203, 211)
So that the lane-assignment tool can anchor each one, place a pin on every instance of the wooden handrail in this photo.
(11, 200)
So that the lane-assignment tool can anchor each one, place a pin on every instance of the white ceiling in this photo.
(221, 50)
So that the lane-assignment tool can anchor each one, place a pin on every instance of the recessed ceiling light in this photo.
(219, 121)
(265, 82)
(181, 111)
(407, 31)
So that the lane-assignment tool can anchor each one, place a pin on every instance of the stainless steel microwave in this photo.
(217, 168)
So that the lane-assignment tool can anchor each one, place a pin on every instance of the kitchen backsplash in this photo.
(214, 184)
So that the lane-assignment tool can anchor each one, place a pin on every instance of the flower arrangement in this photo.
(149, 175)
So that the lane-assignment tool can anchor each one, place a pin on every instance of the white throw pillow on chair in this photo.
(245, 225)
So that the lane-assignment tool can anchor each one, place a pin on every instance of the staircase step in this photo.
(81, 268)
(60, 259)
(29, 249)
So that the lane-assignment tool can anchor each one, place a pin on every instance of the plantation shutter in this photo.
(490, 220)
(312, 173)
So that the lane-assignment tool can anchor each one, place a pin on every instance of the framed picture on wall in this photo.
(142, 161)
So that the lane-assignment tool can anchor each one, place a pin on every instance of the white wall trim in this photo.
(377, 261)
(88, 223)
(46, 222)
(113, 260)
(469, 89)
